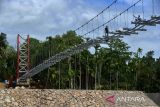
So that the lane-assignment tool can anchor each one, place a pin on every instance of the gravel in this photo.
(21, 97)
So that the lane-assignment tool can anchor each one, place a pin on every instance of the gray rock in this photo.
(1, 105)
(15, 104)
(7, 99)
(2, 91)
(68, 98)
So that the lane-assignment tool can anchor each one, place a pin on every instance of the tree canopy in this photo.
(112, 68)
(7, 58)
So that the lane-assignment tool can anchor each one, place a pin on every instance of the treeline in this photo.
(112, 68)
(7, 59)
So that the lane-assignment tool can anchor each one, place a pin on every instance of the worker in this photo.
(10, 81)
(106, 31)
(14, 81)
(137, 18)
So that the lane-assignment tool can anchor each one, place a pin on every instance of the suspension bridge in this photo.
(105, 26)
(116, 21)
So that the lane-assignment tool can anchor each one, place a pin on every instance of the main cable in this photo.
(112, 18)
(115, 1)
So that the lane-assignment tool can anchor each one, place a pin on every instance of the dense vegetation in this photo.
(113, 67)
(7, 58)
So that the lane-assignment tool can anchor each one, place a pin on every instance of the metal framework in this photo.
(139, 26)
(23, 55)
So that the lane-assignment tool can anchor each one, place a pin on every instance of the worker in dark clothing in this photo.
(10, 82)
(137, 18)
(106, 31)
(14, 81)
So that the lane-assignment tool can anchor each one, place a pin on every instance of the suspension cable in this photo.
(116, 14)
(117, 76)
(49, 54)
(59, 72)
(133, 10)
(69, 69)
(75, 64)
(109, 16)
(80, 70)
(120, 21)
(143, 8)
(114, 2)
(110, 77)
(103, 21)
(98, 25)
(47, 78)
(153, 12)
(80, 77)
(96, 72)
(127, 19)
(112, 18)
(93, 31)
(87, 70)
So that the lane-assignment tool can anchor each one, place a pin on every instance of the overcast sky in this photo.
(42, 18)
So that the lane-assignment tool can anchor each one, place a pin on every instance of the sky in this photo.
(42, 18)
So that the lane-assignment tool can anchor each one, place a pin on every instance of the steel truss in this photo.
(23, 56)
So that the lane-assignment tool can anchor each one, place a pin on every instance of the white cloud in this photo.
(146, 40)
(42, 18)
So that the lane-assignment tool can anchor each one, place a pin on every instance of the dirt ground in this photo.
(2, 85)
(21, 97)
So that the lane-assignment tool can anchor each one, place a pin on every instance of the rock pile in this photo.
(21, 97)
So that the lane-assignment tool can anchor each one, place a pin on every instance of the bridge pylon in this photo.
(23, 57)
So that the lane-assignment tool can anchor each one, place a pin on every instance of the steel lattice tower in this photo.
(23, 55)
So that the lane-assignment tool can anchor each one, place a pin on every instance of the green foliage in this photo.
(112, 68)
(109, 68)
(7, 59)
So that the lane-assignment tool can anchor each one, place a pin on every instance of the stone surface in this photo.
(21, 97)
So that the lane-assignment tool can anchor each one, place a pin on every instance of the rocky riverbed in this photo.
(22, 97)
